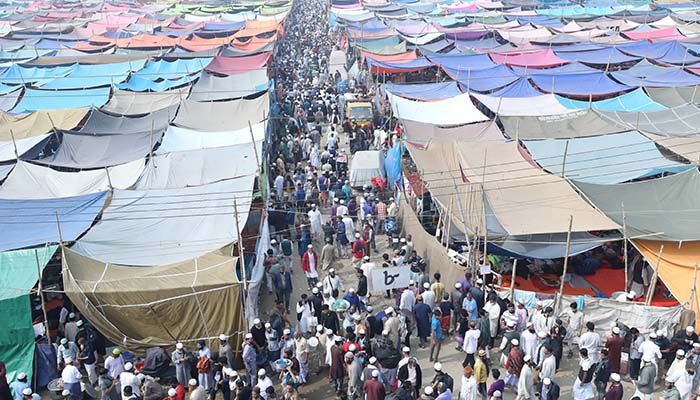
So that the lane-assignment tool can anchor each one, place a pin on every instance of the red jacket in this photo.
(180, 389)
(358, 249)
(305, 264)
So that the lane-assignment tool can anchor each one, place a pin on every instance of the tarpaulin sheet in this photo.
(534, 59)
(12, 149)
(237, 65)
(39, 122)
(424, 91)
(596, 84)
(36, 99)
(19, 74)
(390, 67)
(20, 272)
(687, 147)
(524, 37)
(81, 151)
(25, 223)
(676, 267)
(29, 181)
(126, 102)
(199, 167)
(644, 69)
(172, 69)
(211, 87)
(484, 80)
(519, 194)
(673, 78)
(545, 247)
(464, 63)
(661, 207)
(140, 84)
(566, 69)
(575, 124)
(393, 57)
(634, 101)
(674, 97)
(101, 123)
(544, 104)
(457, 110)
(677, 121)
(604, 56)
(669, 33)
(182, 139)
(422, 134)
(166, 226)
(95, 75)
(123, 302)
(423, 39)
(520, 88)
(222, 115)
(9, 100)
(605, 159)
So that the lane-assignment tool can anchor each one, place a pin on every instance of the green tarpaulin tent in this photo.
(18, 275)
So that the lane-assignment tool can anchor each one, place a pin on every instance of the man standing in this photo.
(615, 391)
(602, 374)
(332, 283)
(310, 264)
(526, 389)
(548, 365)
(71, 377)
(635, 353)
(249, 357)
(547, 390)
(494, 313)
(481, 373)
(373, 389)
(471, 342)
(406, 304)
(328, 254)
(283, 286)
(180, 359)
(469, 388)
(647, 377)
(18, 386)
(590, 341)
(362, 287)
(422, 315)
(574, 329)
(614, 345)
(528, 340)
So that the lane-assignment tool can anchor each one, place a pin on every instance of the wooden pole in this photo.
(563, 162)
(694, 303)
(624, 240)
(652, 285)
(109, 179)
(448, 219)
(14, 144)
(512, 281)
(566, 265)
(244, 274)
(58, 226)
(41, 294)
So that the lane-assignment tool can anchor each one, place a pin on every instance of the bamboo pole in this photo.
(563, 162)
(14, 144)
(512, 281)
(654, 278)
(624, 241)
(241, 258)
(448, 228)
(566, 265)
(694, 303)
(40, 287)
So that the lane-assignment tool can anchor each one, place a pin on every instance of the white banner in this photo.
(390, 278)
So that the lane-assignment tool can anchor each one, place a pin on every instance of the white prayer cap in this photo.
(351, 290)
(172, 392)
(319, 328)
(541, 334)
(437, 366)
(426, 285)
(389, 310)
(547, 381)
(222, 337)
(192, 382)
(690, 329)
(616, 330)
(248, 335)
(357, 235)
(286, 332)
(314, 290)
(256, 321)
(514, 342)
(79, 323)
(458, 285)
(261, 372)
(372, 360)
(527, 358)
(179, 346)
(27, 391)
(497, 393)
(615, 377)
(21, 375)
(352, 348)
(652, 335)
(660, 332)
(331, 270)
(311, 246)
(366, 258)
(65, 392)
(128, 366)
(375, 373)
(71, 315)
(406, 349)
(680, 352)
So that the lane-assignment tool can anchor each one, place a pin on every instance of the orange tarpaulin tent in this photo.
(676, 268)
(407, 56)
(196, 43)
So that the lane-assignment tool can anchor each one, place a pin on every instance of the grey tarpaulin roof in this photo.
(572, 125)
(667, 206)
(674, 97)
(212, 87)
(102, 123)
(678, 121)
(82, 151)
(126, 102)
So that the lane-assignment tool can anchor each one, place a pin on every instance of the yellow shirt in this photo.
(438, 288)
(480, 371)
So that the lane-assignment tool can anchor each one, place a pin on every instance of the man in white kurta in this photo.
(528, 341)
(316, 221)
(494, 313)
(526, 387)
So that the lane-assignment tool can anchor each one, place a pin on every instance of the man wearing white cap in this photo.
(197, 392)
(128, 378)
(310, 264)
(65, 350)
(316, 220)
(647, 377)
(225, 351)
(615, 390)
(528, 340)
(249, 357)
(71, 377)
(547, 389)
(264, 382)
(18, 386)
(332, 283)
(614, 344)
(685, 338)
(650, 348)
(678, 363)
(428, 296)
(71, 328)
(273, 343)
(526, 388)
(180, 359)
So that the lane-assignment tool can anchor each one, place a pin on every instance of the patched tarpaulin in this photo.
(663, 208)
(25, 223)
(152, 227)
(80, 151)
(223, 115)
(142, 307)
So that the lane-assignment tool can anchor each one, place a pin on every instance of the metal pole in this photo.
(566, 265)
(652, 285)
(41, 295)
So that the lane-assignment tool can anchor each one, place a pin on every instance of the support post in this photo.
(241, 258)
(654, 278)
(512, 281)
(624, 240)
(566, 266)
(14, 144)
(40, 287)
(563, 161)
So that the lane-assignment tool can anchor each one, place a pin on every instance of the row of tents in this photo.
(130, 144)
(545, 121)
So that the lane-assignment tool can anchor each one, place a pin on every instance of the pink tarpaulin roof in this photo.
(670, 33)
(531, 59)
(238, 65)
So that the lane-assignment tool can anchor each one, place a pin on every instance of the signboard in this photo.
(390, 278)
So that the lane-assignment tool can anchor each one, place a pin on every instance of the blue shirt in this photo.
(436, 328)
(470, 306)
(17, 387)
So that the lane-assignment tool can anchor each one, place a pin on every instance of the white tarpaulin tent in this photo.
(457, 110)
(30, 181)
(547, 104)
(220, 116)
(167, 226)
(199, 167)
(21, 146)
(365, 166)
(183, 139)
